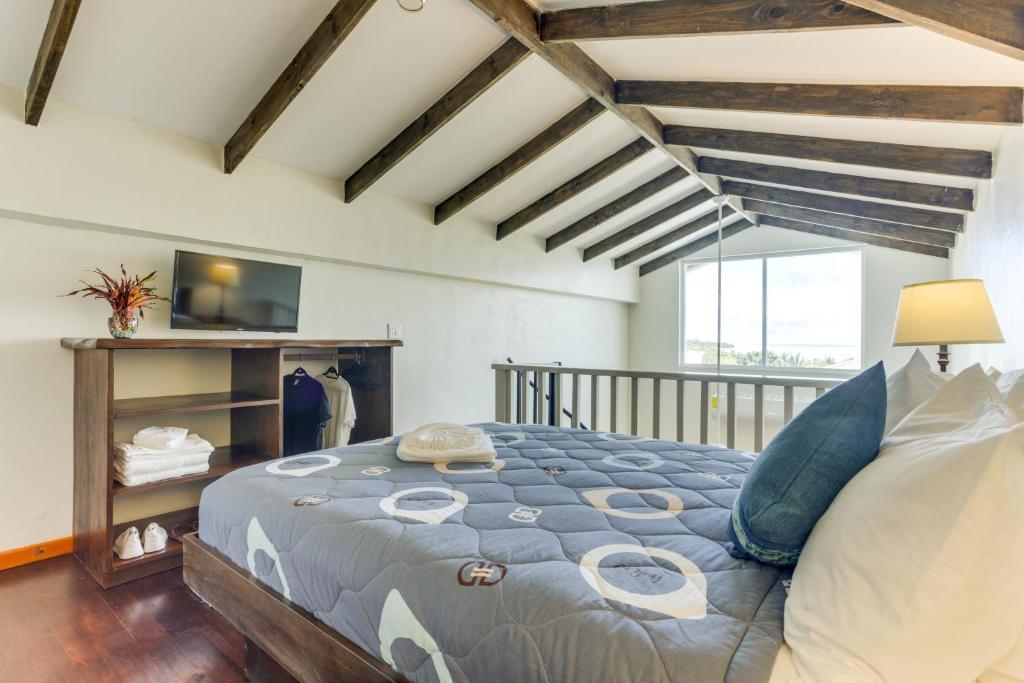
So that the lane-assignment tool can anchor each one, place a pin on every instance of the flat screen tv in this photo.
(221, 293)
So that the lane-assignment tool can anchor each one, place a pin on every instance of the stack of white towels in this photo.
(443, 442)
(158, 453)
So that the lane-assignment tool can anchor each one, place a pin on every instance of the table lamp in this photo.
(943, 313)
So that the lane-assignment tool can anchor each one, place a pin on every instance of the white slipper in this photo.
(154, 539)
(127, 545)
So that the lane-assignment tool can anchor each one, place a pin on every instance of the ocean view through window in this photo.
(779, 311)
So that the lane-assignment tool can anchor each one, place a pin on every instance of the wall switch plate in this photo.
(394, 331)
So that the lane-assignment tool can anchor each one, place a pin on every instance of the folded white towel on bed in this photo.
(443, 442)
(192, 444)
(135, 480)
(167, 463)
(160, 437)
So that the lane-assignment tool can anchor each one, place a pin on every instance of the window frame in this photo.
(763, 370)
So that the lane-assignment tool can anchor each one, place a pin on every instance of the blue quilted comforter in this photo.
(576, 556)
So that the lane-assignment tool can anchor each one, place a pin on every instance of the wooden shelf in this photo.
(223, 460)
(188, 403)
(253, 408)
(173, 550)
(87, 344)
(171, 555)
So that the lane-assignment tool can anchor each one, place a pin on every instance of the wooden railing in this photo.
(527, 384)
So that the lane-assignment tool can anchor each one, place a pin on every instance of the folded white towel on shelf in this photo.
(136, 479)
(443, 442)
(193, 443)
(160, 437)
(166, 463)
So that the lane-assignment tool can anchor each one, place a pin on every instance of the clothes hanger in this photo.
(300, 372)
(358, 376)
(332, 373)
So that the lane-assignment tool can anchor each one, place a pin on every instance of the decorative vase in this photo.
(123, 325)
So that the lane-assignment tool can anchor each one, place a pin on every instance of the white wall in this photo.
(993, 249)
(453, 331)
(86, 190)
(82, 167)
(654, 320)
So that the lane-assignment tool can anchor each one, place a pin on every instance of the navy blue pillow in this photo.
(802, 470)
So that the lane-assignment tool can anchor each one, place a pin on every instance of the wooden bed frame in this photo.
(283, 642)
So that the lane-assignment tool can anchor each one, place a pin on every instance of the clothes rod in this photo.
(357, 357)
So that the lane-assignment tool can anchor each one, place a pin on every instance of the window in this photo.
(781, 311)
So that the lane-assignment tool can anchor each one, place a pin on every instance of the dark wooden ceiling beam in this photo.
(693, 247)
(910, 233)
(700, 17)
(671, 237)
(574, 186)
(893, 213)
(969, 104)
(851, 236)
(647, 224)
(476, 82)
(615, 207)
(51, 50)
(580, 116)
(996, 25)
(948, 161)
(521, 20)
(331, 32)
(958, 198)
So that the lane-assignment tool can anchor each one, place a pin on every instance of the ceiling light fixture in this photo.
(412, 5)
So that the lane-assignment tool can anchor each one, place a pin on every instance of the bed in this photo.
(577, 555)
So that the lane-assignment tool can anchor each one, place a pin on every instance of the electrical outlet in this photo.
(394, 331)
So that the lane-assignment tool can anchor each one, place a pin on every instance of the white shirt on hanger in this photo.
(343, 411)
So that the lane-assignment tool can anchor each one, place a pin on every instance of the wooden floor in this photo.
(57, 624)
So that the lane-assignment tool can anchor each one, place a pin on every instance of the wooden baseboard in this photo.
(15, 557)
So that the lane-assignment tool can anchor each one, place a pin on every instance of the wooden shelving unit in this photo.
(254, 407)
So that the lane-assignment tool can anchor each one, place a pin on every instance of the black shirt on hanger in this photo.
(306, 412)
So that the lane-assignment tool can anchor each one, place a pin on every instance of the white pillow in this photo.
(1011, 385)
(1009, 669)
(916, 571)
(909, 387)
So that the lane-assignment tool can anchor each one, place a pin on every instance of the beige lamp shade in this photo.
(946, 312)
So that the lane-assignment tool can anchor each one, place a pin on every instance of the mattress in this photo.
(575, 556)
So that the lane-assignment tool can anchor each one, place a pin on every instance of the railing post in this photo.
(549, 389)
(615, 404)
(705, 415)
(634, 406)
(575, 421)
(758, 418)
(501, 391)
(594, 379)
(730, 431)
(787, 405)
(556, 399)
(523, 386)
(538, 397)
(656, 422)
(680, 413)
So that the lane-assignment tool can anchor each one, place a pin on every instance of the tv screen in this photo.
(221, 293)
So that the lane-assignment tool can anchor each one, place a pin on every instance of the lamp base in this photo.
(943, 358)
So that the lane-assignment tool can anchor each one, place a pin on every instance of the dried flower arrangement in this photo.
(127, 296)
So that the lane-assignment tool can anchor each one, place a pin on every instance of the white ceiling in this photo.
(196, 68)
